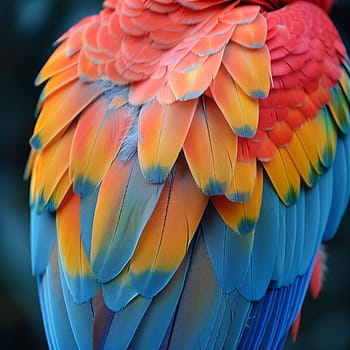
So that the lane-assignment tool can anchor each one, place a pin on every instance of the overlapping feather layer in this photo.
(152, 111)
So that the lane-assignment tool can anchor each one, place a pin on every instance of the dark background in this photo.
(27, 30)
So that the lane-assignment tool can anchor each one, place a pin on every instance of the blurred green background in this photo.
(27, 30)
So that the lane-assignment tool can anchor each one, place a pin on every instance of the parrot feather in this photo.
(281, 134)
(122, 212)
(252, 35)
(48, 176)
(284, 176)
(270, 312)
(60, 109)
(339, 106)
(125, 323)
(298, 154)
(241, 216)
(58, 62)
(43, 235)
(97, 140)
(56, 319)
(74, 39)
(59, 193)
(192, 84)
(58, 81)
(240, 308)
(120, 291)
(154, 262)
(162, 132)
(87, 213)
(215, 40)
(240, 110)
(305, 135)
(188, 160)
(88, 70)
(163, 304)
(77, 271)
(241, 15)
(208, 134)
(199, 305)
(341, 186)
(253, 72)
(326, 139)
(264, 247)
(229, 252)
(80, 315)
(244, 181)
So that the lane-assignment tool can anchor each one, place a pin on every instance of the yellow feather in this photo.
(284, 176)
(241, 216)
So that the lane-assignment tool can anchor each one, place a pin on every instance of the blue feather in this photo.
(80, 317)
(341, 184)
(56, 321)
(312, 219)
(272, 316)
(301, 217)
(120, 291)
(198, 305)
(229, 252)
(265, 246)
(87, 212)
(158, 318)
(125, 323)
(240, 310)
(43, 237)
(281, 245)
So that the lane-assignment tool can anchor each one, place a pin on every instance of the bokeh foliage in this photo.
(27, 30)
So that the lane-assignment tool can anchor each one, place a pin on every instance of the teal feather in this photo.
(206, 317)
(87, 213)
(160, 313)
(301, 216)
(220, 324)
(341, 187)
(125, 323)
(287, 248)
(43, 236)
(229, 252)
(312, 219)
(317, 201)
(80, 317)
(56, 321)
(119, 292)
(240, 311)
(278, 269)
(198, 305)
(265, 246)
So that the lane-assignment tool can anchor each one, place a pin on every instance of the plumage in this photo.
(239, 109)
(97, 140)
(189, 160)
(162, 132)
(81, 281)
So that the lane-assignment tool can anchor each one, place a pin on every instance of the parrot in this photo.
(189, 161)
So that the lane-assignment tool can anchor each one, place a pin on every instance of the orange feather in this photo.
(240, 110)
(162, 131)
(250, 68)
(169, 231)
(208, 137)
